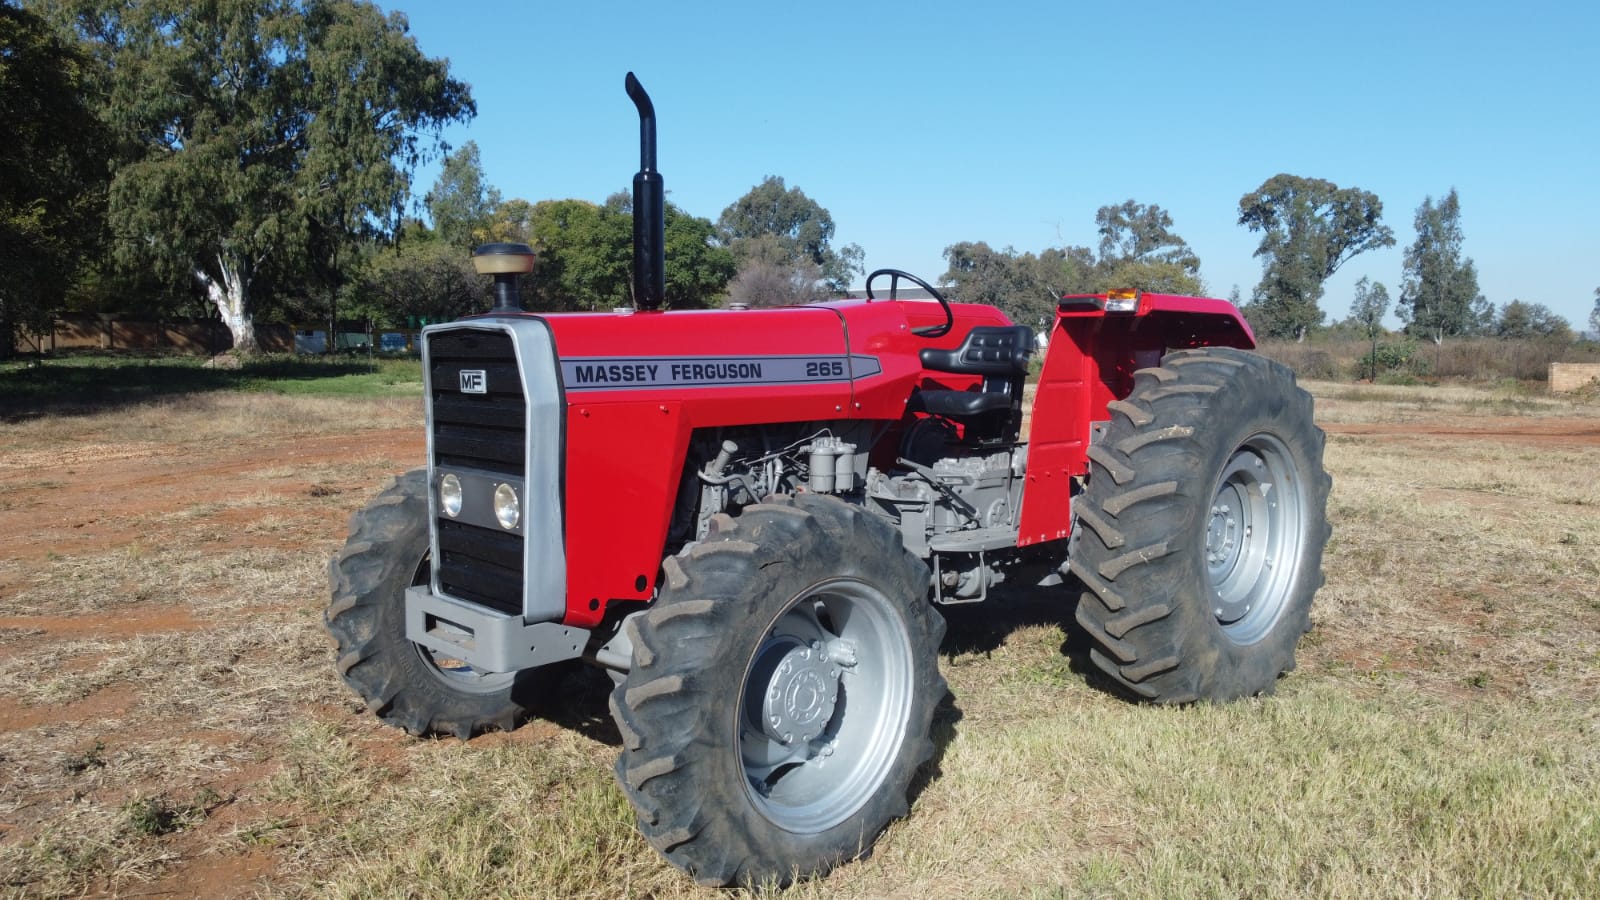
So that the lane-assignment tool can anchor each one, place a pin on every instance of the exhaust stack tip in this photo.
(649, 209)
(506, 262)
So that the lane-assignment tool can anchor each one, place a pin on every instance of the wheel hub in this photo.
(800, 695)
(1222, 534)
(1252, 537)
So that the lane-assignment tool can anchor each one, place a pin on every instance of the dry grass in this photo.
(171, 721)
(197, 421)
(1344, 403)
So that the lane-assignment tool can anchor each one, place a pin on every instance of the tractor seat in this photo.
(989, 350)
(999, 353)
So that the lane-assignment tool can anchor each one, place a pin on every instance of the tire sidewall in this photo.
(682, 765)
(1273, 410)
(418, 699)
(721, 741)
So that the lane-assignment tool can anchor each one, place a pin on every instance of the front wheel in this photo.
(1199, 536)
(405, 683)
(781, 694)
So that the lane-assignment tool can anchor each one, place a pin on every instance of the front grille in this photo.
(477, 431)
(486, 432)
(481, 565)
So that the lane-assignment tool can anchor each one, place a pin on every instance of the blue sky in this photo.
(922, 124)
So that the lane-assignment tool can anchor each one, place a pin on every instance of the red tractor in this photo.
(749, 518)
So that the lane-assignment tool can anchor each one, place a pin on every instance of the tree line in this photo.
(256, 159)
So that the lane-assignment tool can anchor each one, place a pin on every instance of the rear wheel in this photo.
(1201, 531)
(781, 694)
(405, 683)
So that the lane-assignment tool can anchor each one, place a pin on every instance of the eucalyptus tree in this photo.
(262, 139)
(1139, 249)
(1439, 292)
(1368, 309)
(54, 158)
(1309, 228)
(774, 224)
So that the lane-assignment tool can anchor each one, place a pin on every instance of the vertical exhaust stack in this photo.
(649, 209)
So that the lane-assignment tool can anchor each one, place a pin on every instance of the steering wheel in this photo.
(894, 285)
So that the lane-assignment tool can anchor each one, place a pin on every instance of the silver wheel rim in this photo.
(1251, 542)
(450, 671)
(823, 707)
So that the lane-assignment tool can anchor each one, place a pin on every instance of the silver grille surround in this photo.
(544, 587)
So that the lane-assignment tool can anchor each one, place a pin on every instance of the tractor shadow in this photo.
(573, 696)
(982, 628)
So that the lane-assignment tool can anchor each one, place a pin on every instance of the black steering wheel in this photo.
(894, 285)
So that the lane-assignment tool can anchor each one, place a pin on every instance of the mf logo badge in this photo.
(474, 381)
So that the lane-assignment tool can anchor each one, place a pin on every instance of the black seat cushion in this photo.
(958, 403)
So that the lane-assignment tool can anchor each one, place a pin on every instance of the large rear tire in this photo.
(1201, 530)
(404, 683)
(781, 695)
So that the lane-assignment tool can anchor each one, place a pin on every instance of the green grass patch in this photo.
(101, 380)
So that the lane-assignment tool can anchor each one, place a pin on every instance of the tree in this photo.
(54, 159)
(1138, 249)
(1439, 292)
(265, 136)
(698, 268)
(584, 256)
(1309, 228)
(1531, 320)
(461, 204)
(1025, 285)
(764, 283)
(1368, 310)
(419, 278)
(798, 227)
(1594, 317)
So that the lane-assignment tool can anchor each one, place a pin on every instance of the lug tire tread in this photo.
(1144, 610)
(692, 643)
(387, 541)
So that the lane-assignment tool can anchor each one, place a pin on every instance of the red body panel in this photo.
(626, 443)
(637, 387)
(1092, 357)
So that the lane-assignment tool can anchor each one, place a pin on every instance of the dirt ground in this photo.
(133, 502)
(1513, 430)
(86, 529)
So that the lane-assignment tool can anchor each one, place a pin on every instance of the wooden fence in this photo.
(78, 331)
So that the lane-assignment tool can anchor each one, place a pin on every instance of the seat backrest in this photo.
(988, 350)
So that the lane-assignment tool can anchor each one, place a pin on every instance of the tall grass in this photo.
(1401, 359)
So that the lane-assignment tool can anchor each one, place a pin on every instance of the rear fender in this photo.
(1091, 360)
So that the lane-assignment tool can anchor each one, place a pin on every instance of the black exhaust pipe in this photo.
(649, 210)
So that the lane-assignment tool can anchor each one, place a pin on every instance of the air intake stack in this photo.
(649, 210)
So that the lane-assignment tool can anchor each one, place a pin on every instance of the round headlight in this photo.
(506, 508)
(450, 495)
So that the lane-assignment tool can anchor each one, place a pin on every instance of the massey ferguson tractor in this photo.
(750, 519)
